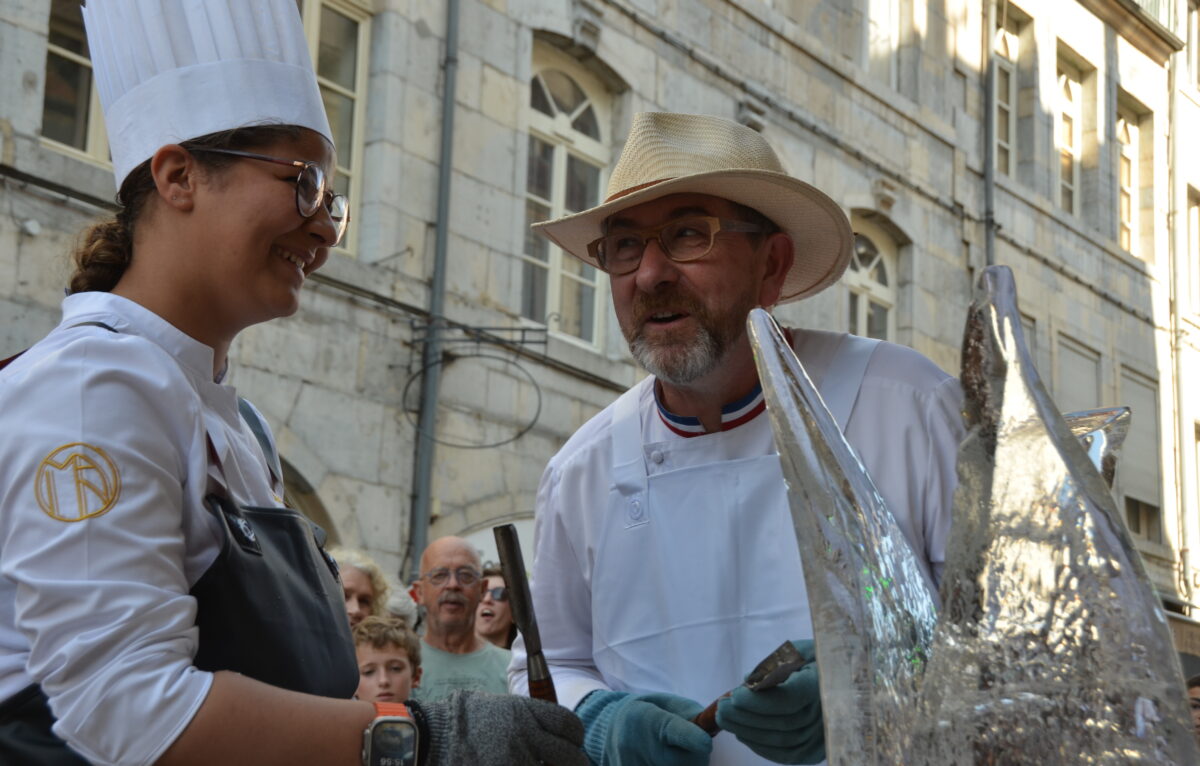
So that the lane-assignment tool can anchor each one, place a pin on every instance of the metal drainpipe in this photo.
(422, 495)
(989, 136)
(1175, 282)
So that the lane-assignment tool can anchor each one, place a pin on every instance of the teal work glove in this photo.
(783, 724)
(623, 729)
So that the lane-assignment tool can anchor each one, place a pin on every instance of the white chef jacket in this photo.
(906, 426)
(103, 470)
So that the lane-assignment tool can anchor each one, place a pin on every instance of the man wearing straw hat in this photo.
(666, 565)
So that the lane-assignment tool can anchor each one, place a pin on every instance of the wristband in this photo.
(393, 738)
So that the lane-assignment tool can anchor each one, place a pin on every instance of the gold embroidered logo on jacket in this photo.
(77, 481)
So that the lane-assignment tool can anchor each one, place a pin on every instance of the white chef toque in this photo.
(171, 70)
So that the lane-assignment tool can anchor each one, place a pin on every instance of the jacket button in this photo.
(635, 510)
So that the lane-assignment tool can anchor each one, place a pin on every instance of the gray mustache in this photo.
(452, 598)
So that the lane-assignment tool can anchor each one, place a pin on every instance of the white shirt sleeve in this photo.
(92, 535)
(906, 428)
(562, 599)
(945, 431)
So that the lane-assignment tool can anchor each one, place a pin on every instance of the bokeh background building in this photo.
(445, 353)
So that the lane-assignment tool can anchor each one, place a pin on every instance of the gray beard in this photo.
(679, 367)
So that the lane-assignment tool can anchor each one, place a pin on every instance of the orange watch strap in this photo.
(398, 709)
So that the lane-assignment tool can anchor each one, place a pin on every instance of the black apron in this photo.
(25, 736)
(269, 607)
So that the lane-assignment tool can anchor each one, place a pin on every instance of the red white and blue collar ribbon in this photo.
(732, 415)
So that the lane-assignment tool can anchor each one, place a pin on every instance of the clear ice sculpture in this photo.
(873, 606)
(1102, 432)
(1051, 648)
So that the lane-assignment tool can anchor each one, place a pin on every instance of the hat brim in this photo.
(820, 232)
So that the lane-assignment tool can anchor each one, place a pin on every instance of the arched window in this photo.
(1068, 124)
(71, 115)
(298, 493)
(883, 40)
(871, 279)
(567, 157)
(339, 35)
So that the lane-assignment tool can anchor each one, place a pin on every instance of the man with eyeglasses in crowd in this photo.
(453, 656)
(665, 560)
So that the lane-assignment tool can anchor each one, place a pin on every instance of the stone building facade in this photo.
(885, 104)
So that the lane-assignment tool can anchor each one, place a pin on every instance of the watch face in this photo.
(393, 743)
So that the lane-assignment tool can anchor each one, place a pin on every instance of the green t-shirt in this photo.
(442, 672)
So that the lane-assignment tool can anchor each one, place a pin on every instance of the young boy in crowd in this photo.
(389, 660)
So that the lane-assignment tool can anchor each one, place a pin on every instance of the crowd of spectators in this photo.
(451, 631)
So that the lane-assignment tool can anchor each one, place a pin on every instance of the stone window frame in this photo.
(1193, 247)
(1144, 520)
(882, 26)
(348, 179)
(1196, 463)
(1068, 106)
(1127, 177)
(1133, 174)
(566, 143)
(1069, 392)
(95, 147)
(1192, 49)
(67, 16)
(1138, 498)
(1006, 53)
(864, 290)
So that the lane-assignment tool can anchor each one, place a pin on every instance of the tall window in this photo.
(1192, 51)
(1196, 470)
(1006, 52)
(1077, 378)
(871, 280)
(1140, 468)
(883, 40)
(1127, 178)
(1029, 329)
(1193, 251)
(71, 114)
(338, 37)
(1068, 125)
(567, 156)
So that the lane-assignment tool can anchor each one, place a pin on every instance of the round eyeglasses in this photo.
(312, 189)
(466, 576)
(683, 239)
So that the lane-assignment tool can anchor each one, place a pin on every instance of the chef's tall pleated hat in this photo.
(171, 70)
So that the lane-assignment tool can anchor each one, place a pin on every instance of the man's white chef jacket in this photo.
(905, 426)
(103, 470)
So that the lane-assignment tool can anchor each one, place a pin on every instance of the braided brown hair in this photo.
(106, 248)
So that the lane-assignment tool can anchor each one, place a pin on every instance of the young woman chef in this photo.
(157, 602)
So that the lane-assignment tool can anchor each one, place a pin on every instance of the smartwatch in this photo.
(393, 738)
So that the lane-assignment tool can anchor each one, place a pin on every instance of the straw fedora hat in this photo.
(679, 153)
